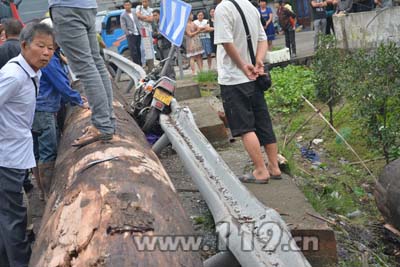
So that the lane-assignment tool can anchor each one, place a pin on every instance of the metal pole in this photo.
(178, 52)
(118, 75)
(161, 144)
(222, 259)
(130, 85)
(170, 54)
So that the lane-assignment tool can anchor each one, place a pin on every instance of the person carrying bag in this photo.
(263, 80)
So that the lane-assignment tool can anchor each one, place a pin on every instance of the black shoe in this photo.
(28, 186)
(31, 236)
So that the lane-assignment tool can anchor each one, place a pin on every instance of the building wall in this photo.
(368, 29)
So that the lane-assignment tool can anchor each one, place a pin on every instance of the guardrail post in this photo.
(222, 259)
(161, 143)
(118, 75)
(130, 86)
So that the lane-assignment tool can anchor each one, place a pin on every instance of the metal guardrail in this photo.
(256, 235)
(134, 71)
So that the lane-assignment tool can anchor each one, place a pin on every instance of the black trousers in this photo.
(246, 111)
(290, 40)
(134, 42)
(15, 250)
(329, 25)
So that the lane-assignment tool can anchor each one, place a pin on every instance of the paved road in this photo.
(30, 9)
(304, 43)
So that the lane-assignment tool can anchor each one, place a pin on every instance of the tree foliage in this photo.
(328, 68)
(372, 82)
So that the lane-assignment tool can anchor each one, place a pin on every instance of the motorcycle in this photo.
(152, 96)
(164, 91)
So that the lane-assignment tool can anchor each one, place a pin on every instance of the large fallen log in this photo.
(96, 211)
(387, 193)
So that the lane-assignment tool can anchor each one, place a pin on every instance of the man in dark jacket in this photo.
(5, 9)
(11, 47)
(163, 44)
(130, 25)
(284, 16)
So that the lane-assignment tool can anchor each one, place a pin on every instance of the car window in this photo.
(113, 23)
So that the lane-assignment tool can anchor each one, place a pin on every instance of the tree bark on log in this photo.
(387, 193)
(95, 213)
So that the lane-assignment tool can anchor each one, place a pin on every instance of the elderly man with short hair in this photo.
(19, 80)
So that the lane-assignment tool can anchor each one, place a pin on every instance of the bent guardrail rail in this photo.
(256, 235)
(134, 71)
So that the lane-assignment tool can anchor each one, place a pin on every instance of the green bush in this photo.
(328, 68)
(373, 83)
(288, 84)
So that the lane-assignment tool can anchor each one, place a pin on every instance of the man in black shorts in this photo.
(243, 101)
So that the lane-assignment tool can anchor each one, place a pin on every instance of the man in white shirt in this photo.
(19, 81)
(243, 101)
(130, 26)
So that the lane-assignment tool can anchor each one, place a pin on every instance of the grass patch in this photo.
(278, 47)
(337, 189)
(206, 76)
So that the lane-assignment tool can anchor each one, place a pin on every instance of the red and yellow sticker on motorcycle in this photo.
(163, 97)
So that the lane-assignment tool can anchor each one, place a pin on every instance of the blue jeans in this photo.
(76, 34)
(319, 28)
(44, 130)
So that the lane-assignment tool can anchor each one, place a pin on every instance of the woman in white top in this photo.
(205, 37)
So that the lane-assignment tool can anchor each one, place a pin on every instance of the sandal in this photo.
(91, 135)
(272, 176)
(276, 177)
(250, 179)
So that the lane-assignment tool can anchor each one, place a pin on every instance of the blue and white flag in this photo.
(174, 15)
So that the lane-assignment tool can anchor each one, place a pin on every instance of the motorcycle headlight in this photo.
(149, 87)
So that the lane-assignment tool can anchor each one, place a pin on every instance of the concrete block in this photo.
(281, 55)
(313, 236)
(206, 118)
(187, 89)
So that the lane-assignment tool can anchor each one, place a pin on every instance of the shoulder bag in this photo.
(263, 81)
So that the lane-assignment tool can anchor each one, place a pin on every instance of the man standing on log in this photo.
(243, 100)
(19, 80)
(74, 24)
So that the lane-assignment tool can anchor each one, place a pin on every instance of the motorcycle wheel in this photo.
(151, 120)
